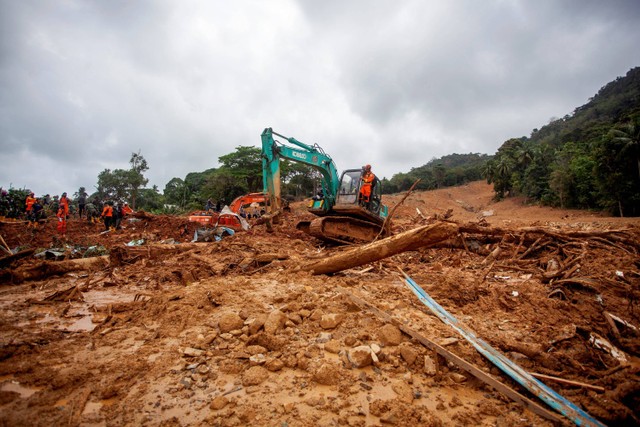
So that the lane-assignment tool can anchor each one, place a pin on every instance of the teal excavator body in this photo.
(343, 218)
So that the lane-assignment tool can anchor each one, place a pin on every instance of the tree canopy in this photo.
(589, 159)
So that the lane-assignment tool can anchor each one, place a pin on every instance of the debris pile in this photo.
(250, 329)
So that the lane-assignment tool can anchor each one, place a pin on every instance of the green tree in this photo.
(136, 179)
(244, 164)
(175, 192)
(123, 184)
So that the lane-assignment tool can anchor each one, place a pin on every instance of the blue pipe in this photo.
(546, 394)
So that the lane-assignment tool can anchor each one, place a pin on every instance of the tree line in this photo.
(589, 159)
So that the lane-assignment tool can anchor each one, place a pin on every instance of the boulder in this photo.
(390, 335)
(230, 322)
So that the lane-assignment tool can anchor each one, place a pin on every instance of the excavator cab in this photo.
(349, 191)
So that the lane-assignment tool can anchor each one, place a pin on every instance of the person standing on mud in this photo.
(82, 201)
(107, 215)
(62, 221)
(64, 203)
(117, 216)
(37, 211)
(29, 204)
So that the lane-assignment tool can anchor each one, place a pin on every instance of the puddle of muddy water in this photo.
(16, 387)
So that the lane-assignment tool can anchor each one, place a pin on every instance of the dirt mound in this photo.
(156, 330)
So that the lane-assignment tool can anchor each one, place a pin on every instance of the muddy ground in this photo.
(234, 332)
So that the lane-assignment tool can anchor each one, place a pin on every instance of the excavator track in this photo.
(341, 229)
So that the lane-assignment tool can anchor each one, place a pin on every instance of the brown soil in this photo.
(233, 333)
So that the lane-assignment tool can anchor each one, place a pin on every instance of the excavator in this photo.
(342, 217)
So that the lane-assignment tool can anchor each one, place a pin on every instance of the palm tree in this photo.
(629, 135)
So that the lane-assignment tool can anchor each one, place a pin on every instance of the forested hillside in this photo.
(447, 171)
(589, 159)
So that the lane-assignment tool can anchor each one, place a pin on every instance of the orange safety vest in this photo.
(126, 210)
(29, 202)
(107, 211)
(64, 203)
(367, 181)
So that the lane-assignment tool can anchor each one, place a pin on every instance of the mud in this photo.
(234, 333)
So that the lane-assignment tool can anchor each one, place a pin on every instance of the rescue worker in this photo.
(117, 216)
(29, 204)
(367, 182)
(92, 212)
(62, 221)
(126, 210)
(107, 215)
(64, 203)
(82, 204)
(37, 211)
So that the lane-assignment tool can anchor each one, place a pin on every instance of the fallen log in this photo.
(47, 268)
(406, 241)
(10, 259)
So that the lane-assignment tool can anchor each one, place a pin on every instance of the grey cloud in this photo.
(84, 84)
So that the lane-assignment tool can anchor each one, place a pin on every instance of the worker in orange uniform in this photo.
(126, 210)
(367, 181)
(107, 215)
(64, 203)
(62, 221)
(29, 204)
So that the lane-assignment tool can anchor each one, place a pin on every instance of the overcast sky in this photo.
(83, 84)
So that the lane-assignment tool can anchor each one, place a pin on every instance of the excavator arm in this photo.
(272, 152)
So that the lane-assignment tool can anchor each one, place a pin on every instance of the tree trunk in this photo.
(407, 241)
(47, 268)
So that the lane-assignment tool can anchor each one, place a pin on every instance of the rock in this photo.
(330, 321)
(304, 313)
(350, 340)
(323, 337)
(360, 356)
(408, 353)
(255, 349)
(375, 348)
(327, 374)
(274, 365)
(192, 352)
(316, 315)
(229, 322)
(209, 338)
(218, 403)
(403, 390)
(430, 367)
(256, 323)
(257, 359)
(390, 335)
(275, 321)
(332, 346)
(448, 341)
(295, 318)
(458, 378)
(254, 376)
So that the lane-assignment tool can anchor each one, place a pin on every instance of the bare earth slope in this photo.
(234, 332)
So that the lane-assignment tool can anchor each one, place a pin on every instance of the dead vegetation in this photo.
(271, 328)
